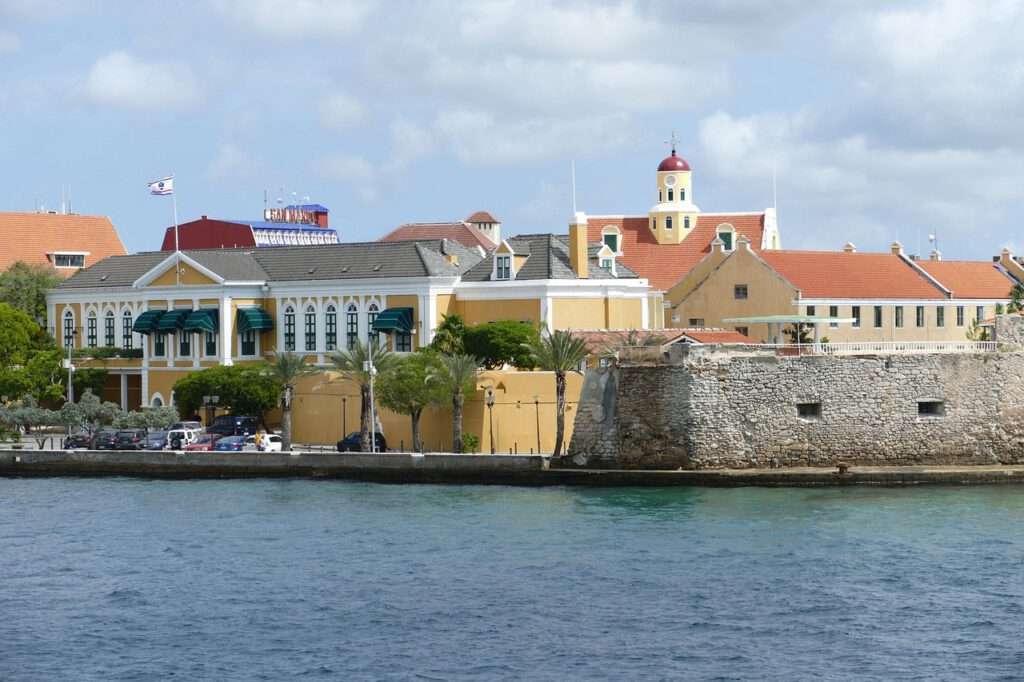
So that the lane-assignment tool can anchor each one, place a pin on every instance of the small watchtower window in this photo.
(740, 292)
(610, 236)
(682, 194)
(668, 222)
(808, 410)
(686, 222)
(670, 197)
(503, 267)
(931, 408)
(726, 237)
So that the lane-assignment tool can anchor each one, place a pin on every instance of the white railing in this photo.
(882, 347)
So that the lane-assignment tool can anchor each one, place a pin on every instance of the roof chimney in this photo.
(743, 242)
(935, 255)
(896, 248)
(849, 248)
(578, 245)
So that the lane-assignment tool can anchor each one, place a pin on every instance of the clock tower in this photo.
(673, 218)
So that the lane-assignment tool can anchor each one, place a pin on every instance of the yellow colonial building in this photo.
(155, 317)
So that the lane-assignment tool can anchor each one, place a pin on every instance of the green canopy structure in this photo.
(255, 319)
(146, 323)
(204, 320)
(394, 320)
(173, 320)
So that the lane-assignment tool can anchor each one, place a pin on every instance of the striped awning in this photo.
(204, 320)
(394, 320)
(173, 320)
(255, 319)
(147, 321)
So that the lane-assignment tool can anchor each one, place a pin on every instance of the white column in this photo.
(145, 340)
(124, 392)
(645, 309)
(197, 348)
(427, 314)
(321, 328)
(279, 325)
(547, 312)
(227, 333)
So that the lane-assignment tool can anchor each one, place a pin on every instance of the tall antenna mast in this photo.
(573, 172)
(775, 185)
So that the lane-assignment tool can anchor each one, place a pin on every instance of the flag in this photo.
(161, 187)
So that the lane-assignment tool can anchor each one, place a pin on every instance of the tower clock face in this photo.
(670, 181)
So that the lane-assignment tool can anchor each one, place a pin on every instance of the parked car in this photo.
(178, 439)
(77, 441)
(204, 443)
(104, 440)
(271, 442)
(157, 440)
(131, 439)
(190, 426)
(350, 443)
(233, 425)
(230, 444)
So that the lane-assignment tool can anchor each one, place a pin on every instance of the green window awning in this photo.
(147, 321)
(255, 319)
(394, 320)
(205, 320)
(173, 320)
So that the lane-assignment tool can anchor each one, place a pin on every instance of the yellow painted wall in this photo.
(655, 311)
(190, 277)
(318, 407)
(445, 306)
(579, 313)
(888, 331)
(624, 313)
(475, 312)
(695, 276)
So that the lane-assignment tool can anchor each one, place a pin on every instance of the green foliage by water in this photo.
(30, 364)
(241, 389)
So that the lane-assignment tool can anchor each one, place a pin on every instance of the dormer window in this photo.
(727, 233)
(606, 263)
(612, 238)
(503, 267)
(67, 259)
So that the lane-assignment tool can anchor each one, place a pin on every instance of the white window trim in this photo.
(256, 348)
(511, 274)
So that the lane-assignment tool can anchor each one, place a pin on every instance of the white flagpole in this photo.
(177, 251)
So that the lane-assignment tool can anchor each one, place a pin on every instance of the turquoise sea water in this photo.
(118, 579)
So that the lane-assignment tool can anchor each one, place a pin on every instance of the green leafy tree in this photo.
(457, 376)
(449, 335)
(19, 336)
(24, 287)
(87, 379)
(1016, 304)
(499, 343)
(405, 389)
(89, 414)
(559, 352)
(240, 389)
(287, 369)
(352, 364)
(147, 418)
(799, 332)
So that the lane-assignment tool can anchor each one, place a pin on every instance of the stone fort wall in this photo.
(716, 409)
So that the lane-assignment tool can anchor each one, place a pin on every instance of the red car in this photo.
(204, 444)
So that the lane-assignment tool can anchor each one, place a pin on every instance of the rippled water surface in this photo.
(116, 579)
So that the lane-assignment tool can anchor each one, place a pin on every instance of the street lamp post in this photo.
(490, 414)
(536, 402)
(372, 371)
(210, 402)
(344, 416)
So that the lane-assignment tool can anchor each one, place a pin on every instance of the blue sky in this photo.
(884, 120)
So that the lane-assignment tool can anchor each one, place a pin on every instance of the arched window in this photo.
(69, 328)
(90, 332)
(351, 326)
(670, 194)
(686, 222)
(157, 401)
(611, 236)
(310, 327)
(682, 194)
(289, 328)
(727, 234)
(371, 316)
(126, 330)
(109, 335)
(332, 327)
(659, 196)
(654, 223)
(668, 222)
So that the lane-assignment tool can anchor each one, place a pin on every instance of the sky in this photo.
(880, 121)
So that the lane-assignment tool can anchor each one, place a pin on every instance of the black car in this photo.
(233, 425)
(131, 439)
(77, 441)
(105, 440)
(350, 443)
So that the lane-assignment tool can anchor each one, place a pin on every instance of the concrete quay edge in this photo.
(527, 470)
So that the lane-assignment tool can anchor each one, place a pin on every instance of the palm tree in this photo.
(352, 365)
(559, 352)
(287, 369)
(457, 374)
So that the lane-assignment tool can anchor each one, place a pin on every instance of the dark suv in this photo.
(131, 439)
(350, 443)
(105, 440)
(233, 425)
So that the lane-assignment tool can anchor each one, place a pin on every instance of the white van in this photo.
(270, 442)
(177, 439)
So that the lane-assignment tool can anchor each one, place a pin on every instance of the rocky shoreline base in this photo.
(531, 470)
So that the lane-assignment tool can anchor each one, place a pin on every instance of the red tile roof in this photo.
(716, 336)
(29, 237)
(482, 217)
(598, 339)
(837, 274)
(665, 264)
(970, 278)
(467, 235)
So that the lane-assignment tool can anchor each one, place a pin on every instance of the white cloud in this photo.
(410, 141)
(230, 162)
(38, 9)
(339, 111)
(121, 80)
(293, 19)
(354, 171)
(9, 42)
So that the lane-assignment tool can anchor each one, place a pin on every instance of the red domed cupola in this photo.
(673, 163)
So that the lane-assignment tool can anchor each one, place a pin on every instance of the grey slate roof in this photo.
(293, 263)
(547, 258)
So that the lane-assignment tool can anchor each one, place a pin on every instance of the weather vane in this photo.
(672, 141)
